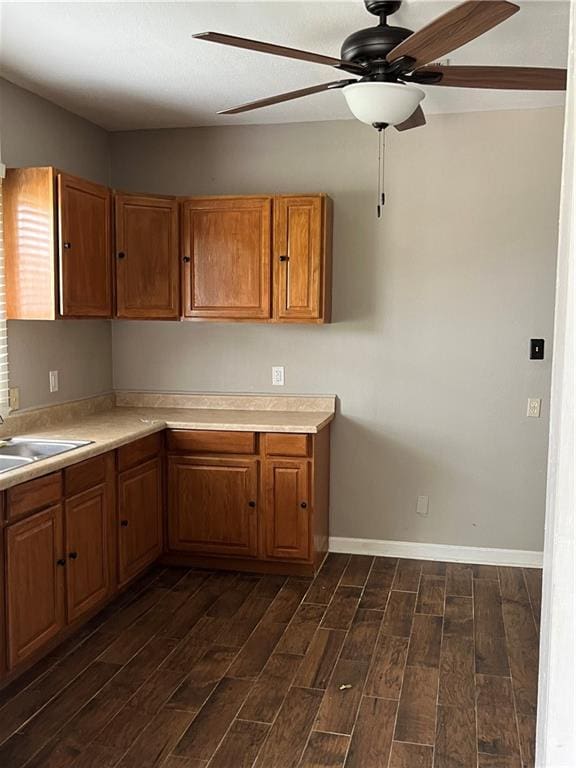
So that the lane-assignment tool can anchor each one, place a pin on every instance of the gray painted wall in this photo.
(433, 309)
(34, 131)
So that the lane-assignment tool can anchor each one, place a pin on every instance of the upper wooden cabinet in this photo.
(147, 266)
(84, 248)
(57, 238)
(302, 258)
(226, 257)
(257, 258)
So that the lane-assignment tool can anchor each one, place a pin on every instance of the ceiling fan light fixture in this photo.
(388, 103)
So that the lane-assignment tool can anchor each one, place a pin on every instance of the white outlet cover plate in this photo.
(278, 375)
(53, 378)
(534, 407)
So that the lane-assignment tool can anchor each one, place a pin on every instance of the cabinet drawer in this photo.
(135, 453)
(86, 475)
(279, 444)
(33, 495)
(207, 441)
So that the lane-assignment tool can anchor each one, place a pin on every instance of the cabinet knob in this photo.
(67, 245)
(124, 523)
(284, 258)
(186, 259)
(303, 504)
(121, 255)
(61, 561)
(73, 555)
(251, 503)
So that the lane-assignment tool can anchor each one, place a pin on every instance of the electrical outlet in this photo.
(53, 378)
(14, 398)
(534, 407)
(422, 506)
(278, 375)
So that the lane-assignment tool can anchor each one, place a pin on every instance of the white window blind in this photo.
(4, 394)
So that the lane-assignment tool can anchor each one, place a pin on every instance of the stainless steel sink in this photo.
(19, 451)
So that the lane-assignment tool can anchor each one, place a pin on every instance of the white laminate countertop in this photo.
(121, 425)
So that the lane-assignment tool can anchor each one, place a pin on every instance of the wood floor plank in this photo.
(492, 761)
(457, 682)
(387, 669)
(241, 745)
(459, 580)
(361, 637)
(494, 691)
(26, 742)
(431, 595)
(209, 726)
(299, 633)
(485, 572)
(235, 631)
(257, 650)
(98, 756)
(407, 576)
(325, 750)
(533, 578)
(342, 697)
(512, 584)
(372, 737)
(378, 584)
(325, 583)
(203, 678)
(410, 756)
(523, 653)
(174, 761)
(231, 600)
(527, 733)
(342, 608)
(424, 647)
(286, 602)
(269, 691)
(459, 616)
(491, 651)
(455, 738)
(318, 663)
(497, 730)
(157, 740)
(289, 734)
(416, 720)
(357, 571)
(399, 614)
(434, 567)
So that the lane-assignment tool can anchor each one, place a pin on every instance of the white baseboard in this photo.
(447, 552)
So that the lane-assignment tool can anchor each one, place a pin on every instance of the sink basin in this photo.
(20, 451)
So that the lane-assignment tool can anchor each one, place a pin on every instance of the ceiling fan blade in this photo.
(278, 50)
(415, 120)
(285, 97)
(513, 78)
(452, 30)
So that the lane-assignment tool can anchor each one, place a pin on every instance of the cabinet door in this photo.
(34, 583)
(226, 250)
(87, 538)
(139, 518)
(147, 266)
(212, 506)
(287, 515)
(299, 258)
(84, 248)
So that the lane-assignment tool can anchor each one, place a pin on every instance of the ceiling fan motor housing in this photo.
(373, 43)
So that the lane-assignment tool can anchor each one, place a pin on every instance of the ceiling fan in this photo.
(389, 62)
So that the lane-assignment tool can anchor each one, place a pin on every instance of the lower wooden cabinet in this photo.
(139, 518)
(212, 505)
(287, 509)
(35, 582)
(87, 537)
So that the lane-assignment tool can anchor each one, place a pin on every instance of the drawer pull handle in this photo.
(121, 255)
(73, 555)
(124, 523)
(303, 504)
(67, 245)
(61, 561)
(284, 258)
(186, 259)
(252, 504)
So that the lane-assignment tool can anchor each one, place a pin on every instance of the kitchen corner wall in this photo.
(434, 307)
(34, 131)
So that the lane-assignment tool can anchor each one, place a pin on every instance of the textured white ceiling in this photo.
(134, 65)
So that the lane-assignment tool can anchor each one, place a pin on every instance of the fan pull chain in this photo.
(381, 169)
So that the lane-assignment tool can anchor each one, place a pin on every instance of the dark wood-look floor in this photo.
(376, 663)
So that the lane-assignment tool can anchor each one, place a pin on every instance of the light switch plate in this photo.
(278, 375)
(534, 407)
(422, 506)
